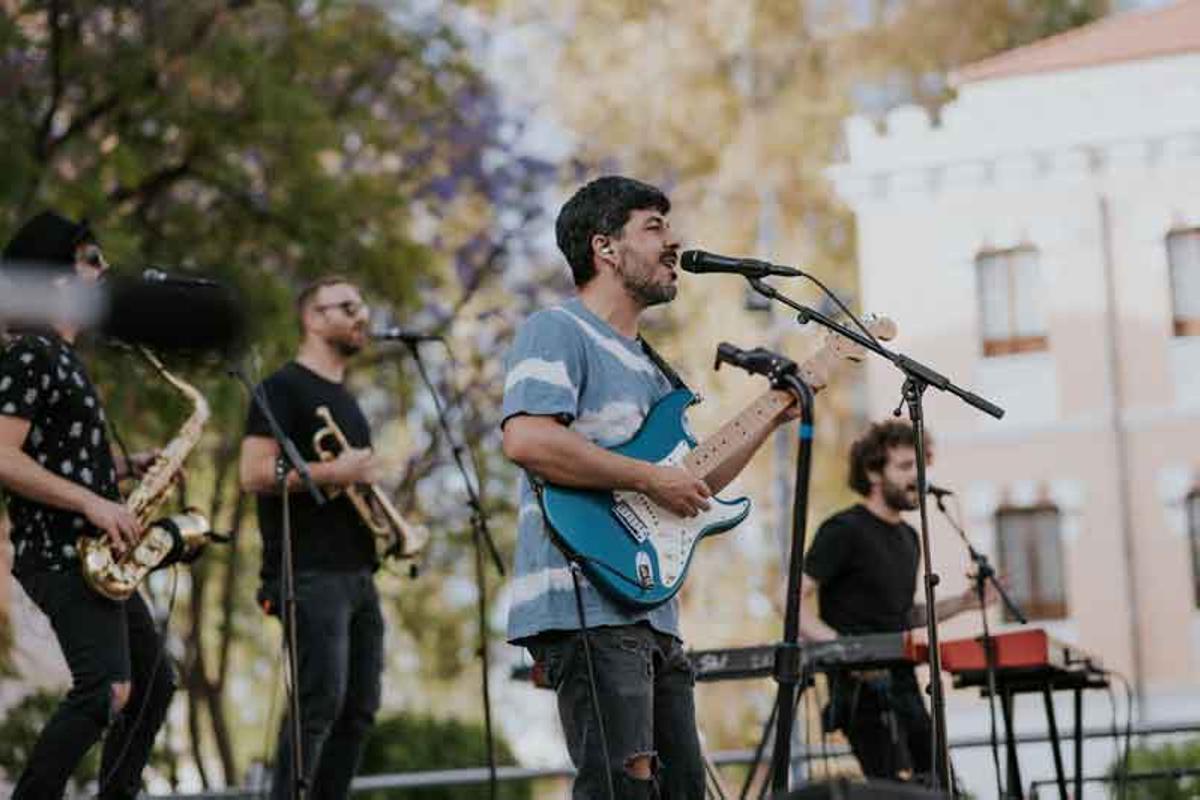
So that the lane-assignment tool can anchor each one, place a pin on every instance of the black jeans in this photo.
(884, 718)
(339, 630)
(645, 685)
(104, 642)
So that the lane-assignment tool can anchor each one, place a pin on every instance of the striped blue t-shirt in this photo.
(568, 363)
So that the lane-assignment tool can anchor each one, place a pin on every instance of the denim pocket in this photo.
(559, 657)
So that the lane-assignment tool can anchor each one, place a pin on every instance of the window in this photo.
(1029, 546)
(1192, 509)
(1183, 259)
(1010, 301)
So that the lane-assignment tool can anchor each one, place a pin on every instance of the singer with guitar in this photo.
(862, 570)
(580, 380)
(339, 624)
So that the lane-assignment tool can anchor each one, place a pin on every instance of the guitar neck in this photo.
(754, 420)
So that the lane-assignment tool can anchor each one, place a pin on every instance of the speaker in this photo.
(845, 789)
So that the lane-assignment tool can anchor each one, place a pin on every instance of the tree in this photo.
(1178, 764)
(265, 143)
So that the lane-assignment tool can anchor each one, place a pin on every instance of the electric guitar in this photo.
(636, 551)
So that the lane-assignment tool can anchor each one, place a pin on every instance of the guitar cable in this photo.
(103, 780)
(591, 673)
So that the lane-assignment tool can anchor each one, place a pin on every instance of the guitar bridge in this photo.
(634, 525)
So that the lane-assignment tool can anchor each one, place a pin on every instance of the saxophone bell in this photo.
(165, 541)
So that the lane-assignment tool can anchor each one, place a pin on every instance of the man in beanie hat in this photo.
(60, 479)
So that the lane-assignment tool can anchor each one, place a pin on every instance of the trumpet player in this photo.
(339, 626)
(60, 479)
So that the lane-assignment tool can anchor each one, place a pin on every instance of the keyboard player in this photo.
(862, 570)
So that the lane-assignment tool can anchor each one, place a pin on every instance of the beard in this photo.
(899, 498)
(345, 345)
(645, 291)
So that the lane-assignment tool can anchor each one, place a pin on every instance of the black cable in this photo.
(1115, 734)
(994, 732)
(758, 750)
(1122, 786)
(838, 302)
(158, 658)
(592, 689)
(826, 761)
(808, 737)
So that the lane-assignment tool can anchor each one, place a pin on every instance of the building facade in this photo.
(1039, 243)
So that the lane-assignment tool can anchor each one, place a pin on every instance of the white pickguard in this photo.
(671, 536)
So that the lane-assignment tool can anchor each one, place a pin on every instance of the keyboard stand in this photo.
(1045, 681)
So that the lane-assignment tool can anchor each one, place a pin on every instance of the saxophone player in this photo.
(339, 625)
(60, 478)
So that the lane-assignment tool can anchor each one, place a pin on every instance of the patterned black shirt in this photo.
(43, 381)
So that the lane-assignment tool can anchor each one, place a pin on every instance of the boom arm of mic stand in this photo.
(982, 565)
(287, 447)
(909, 366)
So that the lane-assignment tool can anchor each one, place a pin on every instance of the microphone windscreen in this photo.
(688, 259)
(173, 316)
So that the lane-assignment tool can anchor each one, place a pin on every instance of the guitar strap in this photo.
(667, 370)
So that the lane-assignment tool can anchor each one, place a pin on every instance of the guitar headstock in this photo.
(837, 348)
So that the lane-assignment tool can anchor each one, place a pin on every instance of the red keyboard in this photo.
(1016, 650)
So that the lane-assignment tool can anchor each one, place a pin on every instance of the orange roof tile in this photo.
(1121, 37)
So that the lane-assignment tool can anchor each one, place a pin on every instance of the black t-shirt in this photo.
(43, 382)
(867, 571)
(331, 537)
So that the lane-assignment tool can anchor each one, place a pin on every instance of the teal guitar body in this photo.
(632, 549)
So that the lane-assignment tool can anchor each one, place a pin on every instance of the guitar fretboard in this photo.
(717, 449)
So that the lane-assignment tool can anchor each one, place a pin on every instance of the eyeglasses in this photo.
(350, 308)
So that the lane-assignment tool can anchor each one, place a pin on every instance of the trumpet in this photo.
(395, 537)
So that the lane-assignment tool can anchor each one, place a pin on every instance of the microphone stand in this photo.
(918, 377)
(788, 669)
(984, 573)
(289, 459)
(482, 537)
(788, 657)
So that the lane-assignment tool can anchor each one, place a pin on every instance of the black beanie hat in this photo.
(47, 241)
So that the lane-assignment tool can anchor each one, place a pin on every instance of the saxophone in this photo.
(163, 541)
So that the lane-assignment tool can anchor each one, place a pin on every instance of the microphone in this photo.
(155, 275)
(698, 261)
(171, 315)
(401, 335)
(937, 491)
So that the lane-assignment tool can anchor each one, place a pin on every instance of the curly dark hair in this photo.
(869, 453)
(601, 207)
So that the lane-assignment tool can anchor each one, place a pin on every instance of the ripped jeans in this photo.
(104, 642)
(645, 683)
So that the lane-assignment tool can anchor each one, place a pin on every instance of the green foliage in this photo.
(1163, 758)
(19, 730)
(407, 742)
(263, 144)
